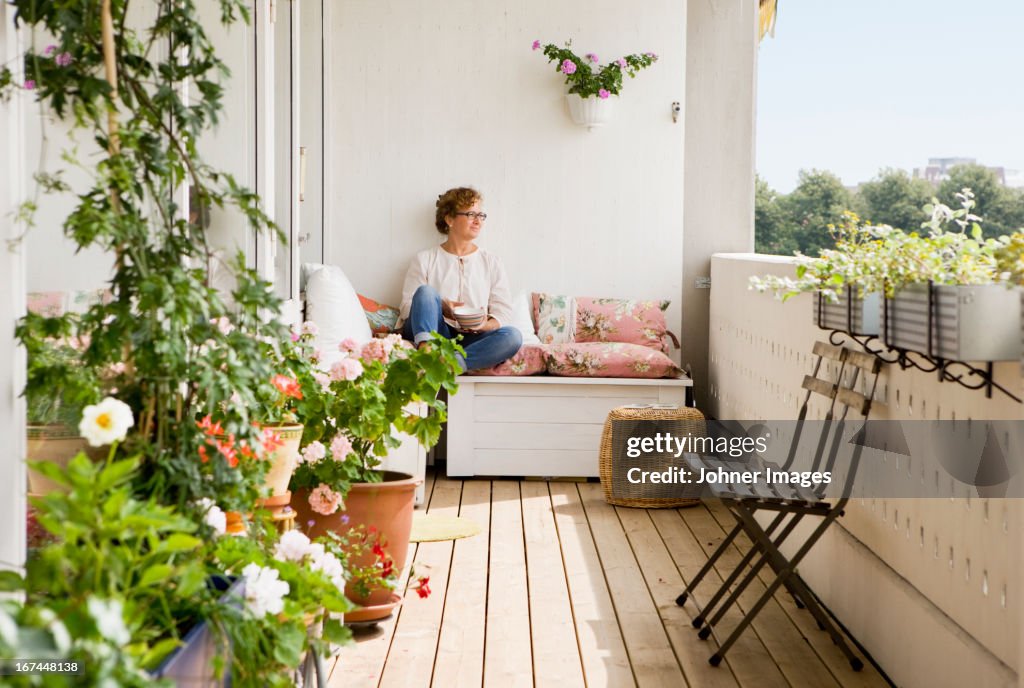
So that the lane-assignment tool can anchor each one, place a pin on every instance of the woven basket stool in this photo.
(646, 421)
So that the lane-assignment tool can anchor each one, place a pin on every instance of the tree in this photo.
(818, 201)
(894, 198)
(772, 234)
(1001, 209)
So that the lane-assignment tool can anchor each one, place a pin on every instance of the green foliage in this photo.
(894, 198)
(818, 201)
(585, 78)
(1002, 208)
(772, 232)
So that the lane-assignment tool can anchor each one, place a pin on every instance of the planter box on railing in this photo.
(963, 323)
(852, 313)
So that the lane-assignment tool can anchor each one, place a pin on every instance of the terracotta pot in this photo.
(284, 459)
(386, 506)
(57, 444)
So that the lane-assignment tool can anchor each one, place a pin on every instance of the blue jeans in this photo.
(483, 349)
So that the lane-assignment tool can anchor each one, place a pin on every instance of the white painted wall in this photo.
(720, 103)
(12, 306)
(942, 612)
(425, 96)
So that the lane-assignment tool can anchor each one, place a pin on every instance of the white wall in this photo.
(426, 96)
(12, 306)
(720, 123)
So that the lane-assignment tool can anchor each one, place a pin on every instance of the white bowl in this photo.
(470, 318)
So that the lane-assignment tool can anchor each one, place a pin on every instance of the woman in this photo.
(457, 273)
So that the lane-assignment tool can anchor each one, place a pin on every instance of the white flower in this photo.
(346, 369)
(109, 618)
(223, 324)
(309, 327)
(328, 564)
(264, 592)
(341, 447)
(213, 515)
(313, 452)
(293, 546)
(106, 422)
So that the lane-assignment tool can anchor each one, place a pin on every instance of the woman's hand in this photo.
(448, 308)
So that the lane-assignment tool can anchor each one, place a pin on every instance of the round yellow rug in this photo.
(435, 527)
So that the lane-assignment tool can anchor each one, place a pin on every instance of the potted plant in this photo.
(590, 85)
(337, 486)
(939, 288)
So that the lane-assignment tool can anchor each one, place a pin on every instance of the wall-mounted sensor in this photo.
(675, 111)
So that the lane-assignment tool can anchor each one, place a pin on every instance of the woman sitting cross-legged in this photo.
(460, 273)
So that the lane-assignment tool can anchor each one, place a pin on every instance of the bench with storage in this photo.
(541, 425)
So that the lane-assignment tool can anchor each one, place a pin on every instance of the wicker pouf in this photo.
(642, 421)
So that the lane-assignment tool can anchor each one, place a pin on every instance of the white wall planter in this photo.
(590, 112)
(852, 313)
(967, 323)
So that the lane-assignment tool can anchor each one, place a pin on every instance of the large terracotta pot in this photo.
(386, 506)
(57, 444)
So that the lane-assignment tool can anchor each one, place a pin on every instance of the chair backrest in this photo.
(840, 392)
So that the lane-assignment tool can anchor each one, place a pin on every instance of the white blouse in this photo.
(477, 280)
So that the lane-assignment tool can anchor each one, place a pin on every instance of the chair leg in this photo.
(788, 571)
(722, 548)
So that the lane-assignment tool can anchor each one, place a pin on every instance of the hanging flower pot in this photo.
(590, 112)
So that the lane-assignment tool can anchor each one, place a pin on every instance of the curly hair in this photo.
(453, 201)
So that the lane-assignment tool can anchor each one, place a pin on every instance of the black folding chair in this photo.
(792, 503)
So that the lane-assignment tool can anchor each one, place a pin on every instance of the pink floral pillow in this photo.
(529, 361)
(608, 359)
(622, 320)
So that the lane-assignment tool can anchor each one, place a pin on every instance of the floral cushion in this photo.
(56, 303)
(608, 359)
(529, 361)
(555, 316)
(382, 318)
(622, 320)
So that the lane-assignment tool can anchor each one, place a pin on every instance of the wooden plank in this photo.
(828, 351)
(748, 659)
(360, 664)
(820, 641)
(786, 644)
(679, 381)
(460, 649)
(556, 659)
(536, 462)
(414, 645)
(664, 583)
(602, 651)
(507, 653)
(547, 409)
(536, 436)
(813, 384)
(650, 653)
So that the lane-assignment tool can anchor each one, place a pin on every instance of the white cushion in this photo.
(333, 305)
(521, 319)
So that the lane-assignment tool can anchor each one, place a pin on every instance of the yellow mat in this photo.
(435, 527)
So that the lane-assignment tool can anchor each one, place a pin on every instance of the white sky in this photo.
(853, 87)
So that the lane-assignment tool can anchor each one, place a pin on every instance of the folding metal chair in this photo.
(791, 503)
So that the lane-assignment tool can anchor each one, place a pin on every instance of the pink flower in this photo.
(63, 60)
(621, 62)
(340, 447)
(348, 345)
(324, 500)
(651, 55)
(374, 350)
(323, 379)
(602, 94)
(536, 45)
(569, 67)
(295, 336)
(50, 50)
(30, 84)
(592, 57)
(309, 327)
(223, 325)
(314, 451)
(346, 369)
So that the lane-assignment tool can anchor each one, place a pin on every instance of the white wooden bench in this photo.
(541, 425)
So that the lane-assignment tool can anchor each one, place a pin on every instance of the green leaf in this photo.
(11, 581)
(290, 641)
(157, 573)
(179, 543)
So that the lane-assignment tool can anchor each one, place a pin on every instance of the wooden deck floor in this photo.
(562, 589)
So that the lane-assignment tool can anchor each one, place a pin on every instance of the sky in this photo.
(853, 87)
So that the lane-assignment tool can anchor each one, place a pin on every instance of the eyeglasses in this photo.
(474, 216)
